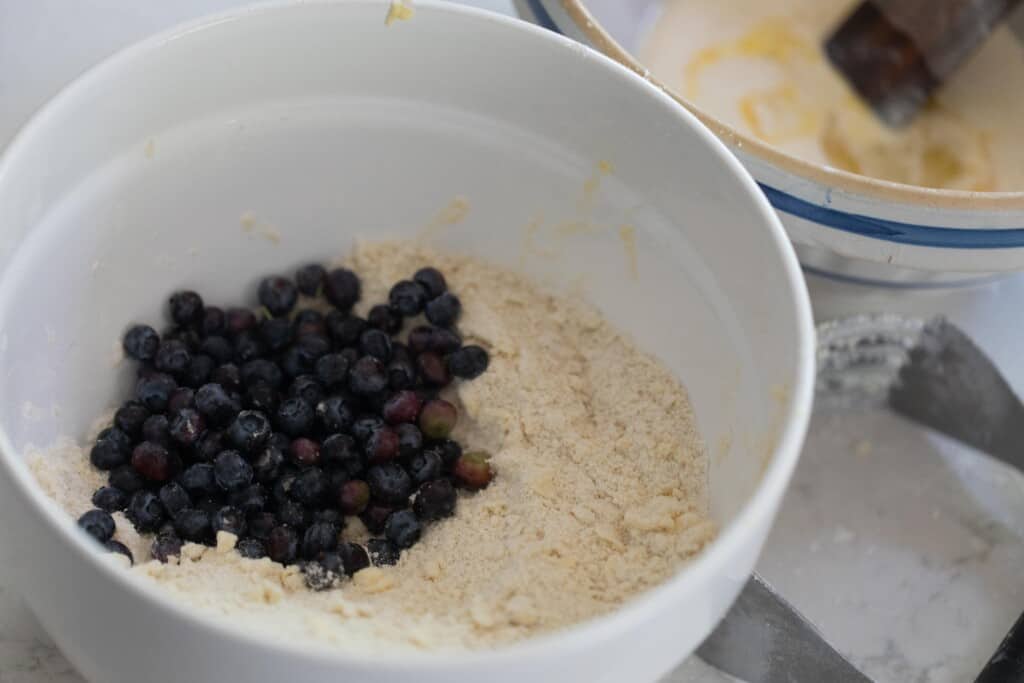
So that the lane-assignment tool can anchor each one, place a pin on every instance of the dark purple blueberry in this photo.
(174, 498)
(218, 348)
(119, 548)
(469, 362)
(213, 321)
(282, 488)
(154, 390)
(261, 371)
(251, 548)
(181, 398)
(310, 278)
(187, 426)
(334, 414)
(340, 450)
(309, 322)
(294, 417)
(209, 445)
(129, 418)
(382, 552)
(403, 528)
(332, 370)
(345, 329)
(126, 478)
(301, 357)
(367, 377)
(239, 320)
(187, 336)
(199, 480)
(342, 288)
(278, 295)
(375, 515)
(432, 369)
(308, 388)
(331, 516)
(248, 347)
(228, 376)
(145, 511)
(435, 500)
(250, 500)
(282, 544)
(260, 524)
(249, 431)
(209, 506)
(353, 557)
(112, 449)
(110, 499)
(141, 342)
(436, 339)
(165, 546)
(98, 524)
(193, 525)
(425, 467)
(199, 371)
(319, 538)
(389, 483)
(448, 450)
(231, 471)
(432, 281)
(473, 470)
(172, 357)
(407, 297)
(376, 343)
(229, 519)
(420, 339)
(401, 374)
(353, 496)
(294, 514)
(186, 308)
(263, 398)
(310, 486)
(403, 406)
(444, 310)
(276, 333)
(152, 461)
(365, 425)
(267, 465)
(410, 440)
(214, 402)
(383, 318)
(304, 452)
(437, 419)
(157, 428)
(382, 446)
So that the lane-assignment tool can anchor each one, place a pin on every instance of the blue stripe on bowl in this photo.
(877, 228)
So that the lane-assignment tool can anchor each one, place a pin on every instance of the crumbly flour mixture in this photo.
(600, 488)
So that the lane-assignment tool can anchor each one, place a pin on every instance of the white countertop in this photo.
(902, 547)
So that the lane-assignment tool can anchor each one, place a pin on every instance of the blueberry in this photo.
(152, 460)
(382, 446)
(402, 406)
(250, 500)
(432, 369)
(367, 376)
(448, 450)
(308, 388)
(382, 552)
(310, 486)
(389, 483)
(228, 376)
(260, 524)
(263, 398)
(157, 428)
(110, 499)
(248, 347)
(187, 426)
(229, 519)
(126, 478)
(469, 362)
(375, 515)
(112, 449)
(407, 297)
(294, 514)
(304, 452)
(209, 445)
(141, 342)
(174, 498)
(249, 431)
(376, 343)
(130, 416)
(198, 371)
(437, 419)
(403, 529)
(283, 544)
(193, 525)
(209, 506)
(353, 496)
(431, 280)
(301, 357)
(319, 538)
(310, 278)
(410, 440)
(181, 398)
(187, 336)
(420, 339)
(340, 450)
(342, 288)
(231, 471)
(310, 322)
(436, 339)
(332, 370)
(251, 548)
(280, 441)
(154, 390)
(187, 308)
(444, 310)
(401, 374)
(238, 320)
(473, 470)
(218, 348)
(276, 333)
(98, 524)
(213, 321)
(278, 295)
(199, 479)
(334, 414)
(172, 357)
(365, 425)
(435, 500)
(261, 371)
(383, 318)
(345, 329)
(214, 402)
(294, 417)
(425, 467)
(165, 546)
(267, 465)
(119, 548)
(145, 511)
(282, 489)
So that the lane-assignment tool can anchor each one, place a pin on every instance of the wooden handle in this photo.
(1007, 664)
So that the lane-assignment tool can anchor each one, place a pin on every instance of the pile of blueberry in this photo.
(277, 425)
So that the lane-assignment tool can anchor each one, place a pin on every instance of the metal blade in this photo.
(763, 639)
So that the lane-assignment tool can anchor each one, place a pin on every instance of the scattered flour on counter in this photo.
(600, 488)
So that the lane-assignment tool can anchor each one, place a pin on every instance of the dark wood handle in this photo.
(1007, 664)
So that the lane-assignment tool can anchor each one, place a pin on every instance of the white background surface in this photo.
(905, 549)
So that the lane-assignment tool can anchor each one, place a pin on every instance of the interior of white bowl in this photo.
(257, 144)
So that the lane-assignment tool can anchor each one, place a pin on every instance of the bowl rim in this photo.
(855, 184)
(714, 560)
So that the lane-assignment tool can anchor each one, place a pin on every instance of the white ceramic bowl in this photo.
(320, 124)
(841, 223)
